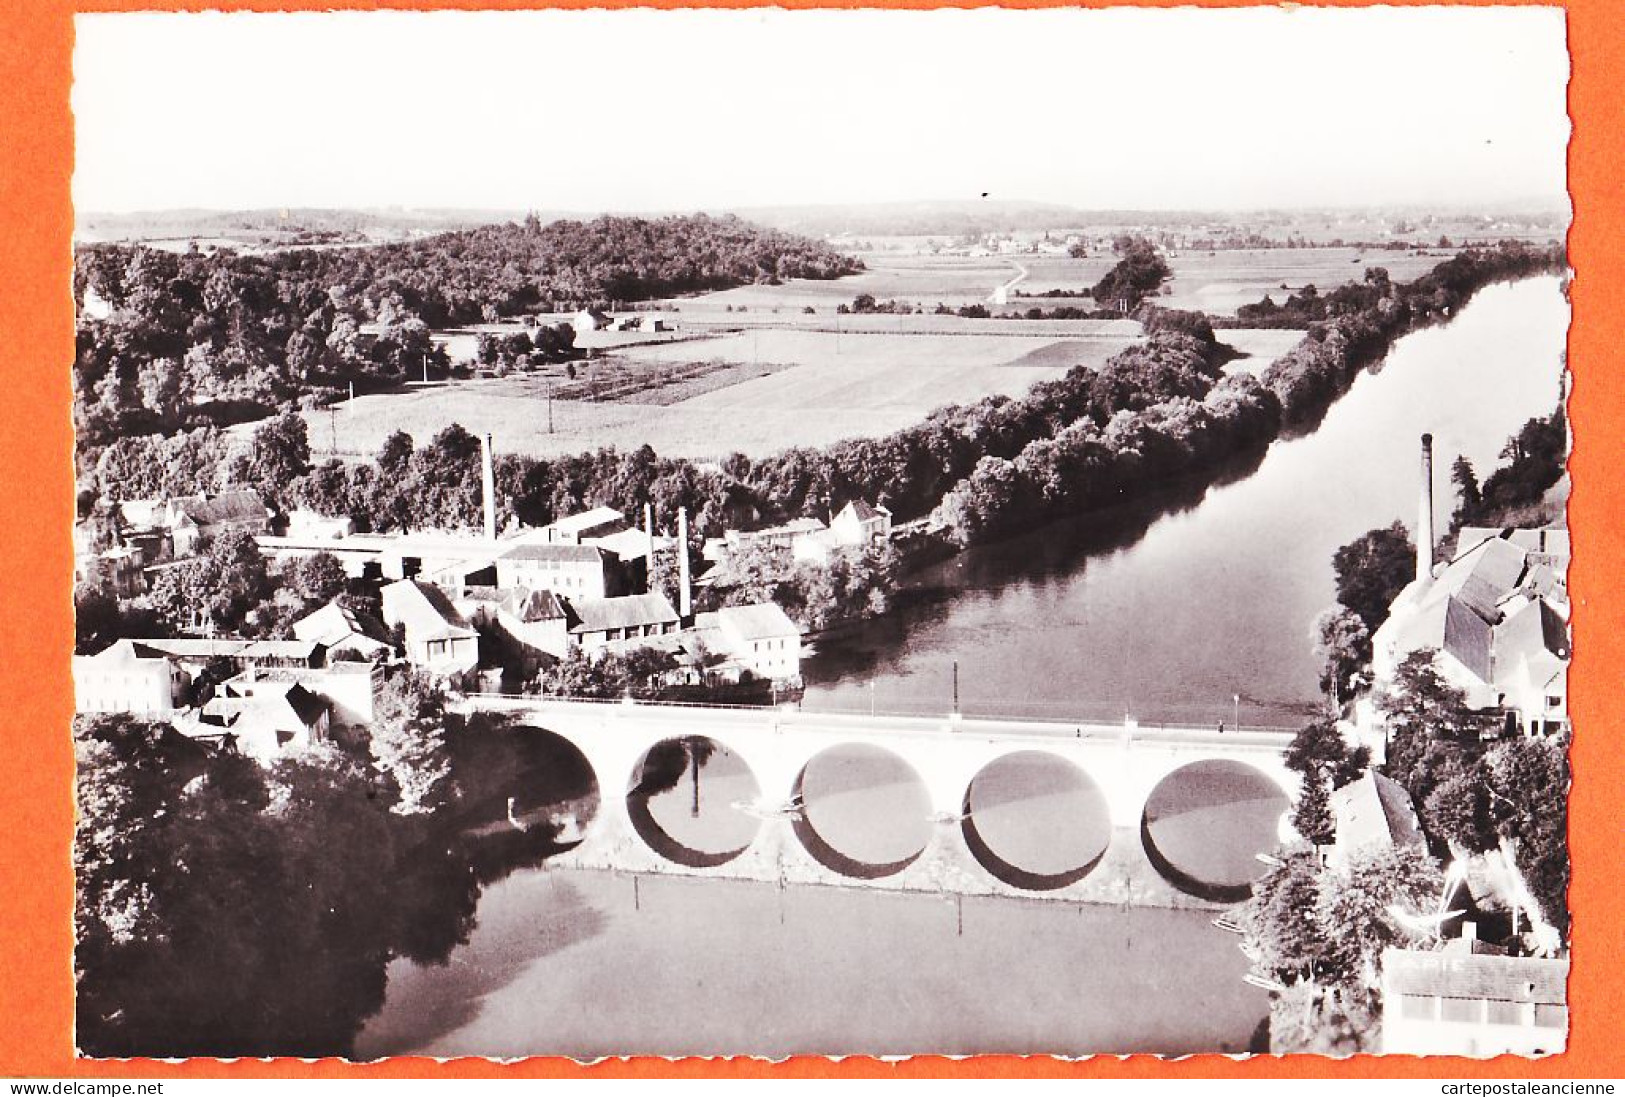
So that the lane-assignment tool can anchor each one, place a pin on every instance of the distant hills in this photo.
(276, 228)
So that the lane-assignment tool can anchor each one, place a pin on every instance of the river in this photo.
(1168, 614)
(1217, 599)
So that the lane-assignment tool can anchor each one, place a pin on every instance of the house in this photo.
(1463, 1002)
(804, 538)
(196, 653)
(1372, 811)
(120, 568)
(1496, 617)
(274, 718)
(590, 319)
(437, 636)
(578, 529)
(859, 525)
(198, 518)
(574, 571)
(130, 676)
(600, 621)
(537, 620)
(760, 638)
(307, 524)
(345, 631)
(348, 688)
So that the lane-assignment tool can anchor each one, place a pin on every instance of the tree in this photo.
(1140, 272)
(318, 578)
(1312, 815)
(1372, 570)
(1469, 500)
(1281, 919)
(281, 455)
(1432, 733)
(219, 588)
(1344, 647)
(1319, 749)
(1357, 902)
(409, 743)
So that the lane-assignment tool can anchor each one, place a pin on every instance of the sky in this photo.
(646, 110)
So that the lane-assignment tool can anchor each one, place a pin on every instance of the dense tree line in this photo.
(1535, 457)
(196, 339)
(1315, 372)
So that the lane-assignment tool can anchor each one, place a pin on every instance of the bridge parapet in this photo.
(1125, 762)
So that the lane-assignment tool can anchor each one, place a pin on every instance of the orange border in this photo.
(36, 492)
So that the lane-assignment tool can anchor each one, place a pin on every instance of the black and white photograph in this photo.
(845, 532)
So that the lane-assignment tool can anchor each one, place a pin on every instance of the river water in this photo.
(1217, 599)
(1167, 614)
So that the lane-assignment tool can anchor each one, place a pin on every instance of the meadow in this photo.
(785, 388)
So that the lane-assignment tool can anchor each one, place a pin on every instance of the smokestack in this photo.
(488, 486)
(685, 597)
(1424, 517)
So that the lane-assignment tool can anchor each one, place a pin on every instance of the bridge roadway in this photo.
(1125, 761)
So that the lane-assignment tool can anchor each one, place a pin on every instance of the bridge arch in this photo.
(689, 801)
(1206, 821)
(862, 811)
(1035, 820)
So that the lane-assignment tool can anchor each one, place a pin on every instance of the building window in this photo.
(1554, 702)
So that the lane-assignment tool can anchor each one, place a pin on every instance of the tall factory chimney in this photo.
(685, 598)
(1424, 517)
(488, 488)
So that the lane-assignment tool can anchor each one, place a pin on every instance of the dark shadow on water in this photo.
(832, 858)
(1054, 550)
(455, 996)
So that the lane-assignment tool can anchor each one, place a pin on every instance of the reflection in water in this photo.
(1034, 820)
(864, 811)
(1171, 611)
(1168, 613)
(592, 963)
(1206, 823)
(683, 803)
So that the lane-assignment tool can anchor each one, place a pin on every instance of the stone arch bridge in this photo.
(1126, 762)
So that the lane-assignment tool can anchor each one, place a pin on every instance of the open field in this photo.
(786, 388)
(922, 280)
(1261, 346)
(1219, 282)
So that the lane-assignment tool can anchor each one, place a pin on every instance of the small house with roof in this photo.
(537, 620)
(193, 519)
(1372, 812)
(858, 524)
(275, 717)
(437, 635)
(129, 676)
(597, 622)
(344, 631)
(570, 570)
(1460, 1001)
(761, 639)
(1496, 618)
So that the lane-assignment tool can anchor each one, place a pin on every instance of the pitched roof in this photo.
(632, 611)
(533, 605)
(863, 511)
(1475, 977)
(425, 610)
(335, 623)
(229, 506)
(589, 519)
(1374, 810)
(565, 554)
(758, 621)
(282, 707)
(1467, 637)
(1535, 635)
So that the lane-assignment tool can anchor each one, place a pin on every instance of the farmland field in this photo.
(791, 388)
(1219, 282)
(1260, 345)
